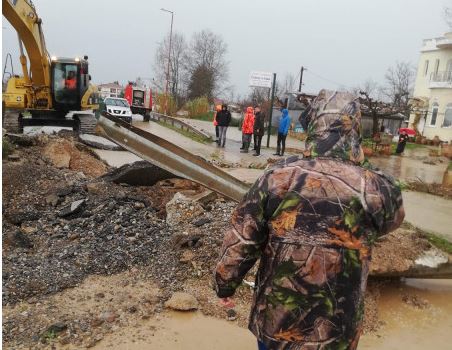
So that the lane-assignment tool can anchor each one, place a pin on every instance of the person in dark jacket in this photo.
(223, 119)
(259, 130)
(403, 138)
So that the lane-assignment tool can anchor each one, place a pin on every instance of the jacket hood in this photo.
(249, 110)
(333, 124)
(285, 112)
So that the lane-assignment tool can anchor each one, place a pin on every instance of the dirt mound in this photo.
(397, 251)
(66, 153)
(435, 189)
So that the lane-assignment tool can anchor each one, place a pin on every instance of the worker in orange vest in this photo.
(70, 82)
(217, 129)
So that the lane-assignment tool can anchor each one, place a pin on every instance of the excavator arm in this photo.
(23, 17)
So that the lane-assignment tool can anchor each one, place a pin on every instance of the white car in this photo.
(118, 107)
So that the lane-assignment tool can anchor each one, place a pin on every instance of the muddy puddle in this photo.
(423, 320)
(406, 325)
(411, 166)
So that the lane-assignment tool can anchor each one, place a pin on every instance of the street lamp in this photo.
(169, 58)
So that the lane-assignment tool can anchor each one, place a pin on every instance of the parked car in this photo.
(118, 107)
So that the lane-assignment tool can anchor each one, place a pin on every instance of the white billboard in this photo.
(261, 79)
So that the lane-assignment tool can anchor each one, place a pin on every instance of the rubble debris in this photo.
(140, 173)
(182, 302)
(202, 221)
(231, 315)
(186, 241)
(20, 217)
(109, 316)
(57, 328)
(187, 256)
(182, 209)
(65, 153)
(53, 199)
(99, 142)
(75, 208)
(415, 301)
(14, 157)
(21, 140)
(17, 239)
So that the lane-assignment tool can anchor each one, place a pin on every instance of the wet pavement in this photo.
(429, 212)
(235, 134)
(229, 154)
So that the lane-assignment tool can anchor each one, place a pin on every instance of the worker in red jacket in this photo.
(247, 129)
(215, 123)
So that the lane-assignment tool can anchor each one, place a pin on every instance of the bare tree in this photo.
(447, 14)
(176, 72)
(258, 95)
(399, 85)
(207, 53)
(288, 83)
(371, 105)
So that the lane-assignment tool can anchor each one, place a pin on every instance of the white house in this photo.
(433, 89)
(110, 90)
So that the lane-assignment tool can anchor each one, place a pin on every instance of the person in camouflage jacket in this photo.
(312, 222)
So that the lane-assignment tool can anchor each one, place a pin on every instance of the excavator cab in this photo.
(70, 81)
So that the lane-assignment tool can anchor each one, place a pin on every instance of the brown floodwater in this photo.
(409, 327)
(403, 326)
(411, 166)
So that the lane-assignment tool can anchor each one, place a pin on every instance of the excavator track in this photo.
(86, 123)
(11, 121)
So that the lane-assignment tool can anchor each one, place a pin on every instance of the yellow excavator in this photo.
(53, 90)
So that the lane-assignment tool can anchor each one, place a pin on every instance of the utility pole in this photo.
(301, 78)
(271, 111)
(169, 59)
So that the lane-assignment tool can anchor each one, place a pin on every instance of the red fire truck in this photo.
(140, 100)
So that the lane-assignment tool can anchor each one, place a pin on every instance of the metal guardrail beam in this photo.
(172, 158)
(178, 124)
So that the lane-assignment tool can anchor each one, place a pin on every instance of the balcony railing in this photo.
(441, 80)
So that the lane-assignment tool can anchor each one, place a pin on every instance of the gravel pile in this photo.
(61, 226)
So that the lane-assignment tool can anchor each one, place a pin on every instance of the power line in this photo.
(326, 79)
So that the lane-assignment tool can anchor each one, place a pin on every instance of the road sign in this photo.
(261, 79)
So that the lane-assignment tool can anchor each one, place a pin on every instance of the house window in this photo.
(448, 116)
(113, 90)
(436, 66)
(434, 114)
(426, 67)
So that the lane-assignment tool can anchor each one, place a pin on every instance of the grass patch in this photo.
(434, 239)
(208, 117)
(186, 133)
(438, 241)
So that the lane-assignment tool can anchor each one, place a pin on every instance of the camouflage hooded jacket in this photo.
(312, 222)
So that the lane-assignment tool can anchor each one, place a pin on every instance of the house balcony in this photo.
(444, 43)
(441, 80)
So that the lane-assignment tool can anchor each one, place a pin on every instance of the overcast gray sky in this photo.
(345, 41)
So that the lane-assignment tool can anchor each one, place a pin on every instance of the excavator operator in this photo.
(70, 81)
